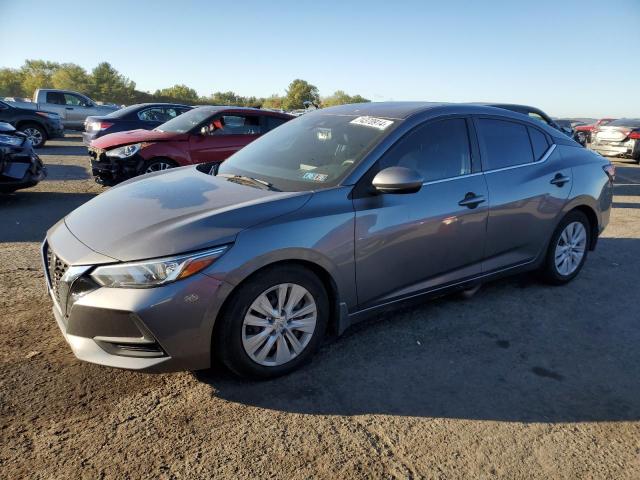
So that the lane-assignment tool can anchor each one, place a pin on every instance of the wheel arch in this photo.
(586, 205)
(338, 318)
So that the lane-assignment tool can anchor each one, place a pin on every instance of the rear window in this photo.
(539, 143)
(503, 144)
(625, 122)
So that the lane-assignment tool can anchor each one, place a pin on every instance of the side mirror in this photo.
(204, 130)
(397, 180)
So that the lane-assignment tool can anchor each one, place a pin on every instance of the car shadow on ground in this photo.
(25, 216)
(517, 351)
(57, 172)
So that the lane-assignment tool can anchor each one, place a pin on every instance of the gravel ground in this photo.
(521, 381)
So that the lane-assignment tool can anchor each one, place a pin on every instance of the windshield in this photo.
(311, 152)
(186, 121)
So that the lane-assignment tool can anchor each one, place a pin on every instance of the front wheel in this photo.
(273, 323)
(567, 250)
(36, 134)
(157, 165)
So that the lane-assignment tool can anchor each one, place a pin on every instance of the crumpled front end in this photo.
(19, 168)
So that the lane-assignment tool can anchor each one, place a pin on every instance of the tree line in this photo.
(104, 83)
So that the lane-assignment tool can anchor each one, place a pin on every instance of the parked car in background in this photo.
(329, 218)
(38, 125)
(73, 107)
(146, 116)
(203, 134)
(20, 167)
(583, 133)
(620, 138)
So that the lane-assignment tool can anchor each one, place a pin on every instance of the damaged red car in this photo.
(203, 135)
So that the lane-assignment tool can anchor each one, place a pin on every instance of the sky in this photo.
(570, 58)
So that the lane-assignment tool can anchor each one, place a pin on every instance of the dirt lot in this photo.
(522, 381)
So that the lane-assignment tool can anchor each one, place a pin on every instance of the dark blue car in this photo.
(146, 116)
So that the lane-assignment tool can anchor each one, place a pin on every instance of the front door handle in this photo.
(559, 180)
(68, 108)
(471, 200)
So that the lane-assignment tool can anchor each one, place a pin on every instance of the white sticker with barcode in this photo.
(373, 122)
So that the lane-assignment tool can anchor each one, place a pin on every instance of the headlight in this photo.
(124, 152)
(10, 140)
(153, 273)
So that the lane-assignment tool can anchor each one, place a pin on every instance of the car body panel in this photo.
(143, 214)
(420, 240)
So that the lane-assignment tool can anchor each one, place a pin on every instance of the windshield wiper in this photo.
(244, 180)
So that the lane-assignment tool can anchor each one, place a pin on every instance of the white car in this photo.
(620, 138)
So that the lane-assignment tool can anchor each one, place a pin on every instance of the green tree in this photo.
(108, 85)
(11, 83)
(178, 93)
(274, 101)
(339, 97)
(300, 91)
(225, 98)
(70, 76)
(37, 74)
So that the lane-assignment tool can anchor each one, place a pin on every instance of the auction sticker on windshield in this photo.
(315, 177)
(374, 122)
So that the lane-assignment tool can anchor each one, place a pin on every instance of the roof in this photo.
(394, 110)
(222, 108)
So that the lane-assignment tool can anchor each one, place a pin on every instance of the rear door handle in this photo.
(471, 200)
(68, 108)
(559, 180)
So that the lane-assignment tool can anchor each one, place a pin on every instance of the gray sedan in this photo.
(315, 226)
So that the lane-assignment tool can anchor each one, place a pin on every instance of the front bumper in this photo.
(158, 329)
(110, 170)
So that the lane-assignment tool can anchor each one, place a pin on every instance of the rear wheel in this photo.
(35, 133)
(273, 323)
(568, 249)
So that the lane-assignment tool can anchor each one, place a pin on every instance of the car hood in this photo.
(118, 139)
(173, 212)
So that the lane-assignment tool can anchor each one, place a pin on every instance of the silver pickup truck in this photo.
(73, 107)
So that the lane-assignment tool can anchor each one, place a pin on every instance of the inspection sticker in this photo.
(315, 177)
(374, 122)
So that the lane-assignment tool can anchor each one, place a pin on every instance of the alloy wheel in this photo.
(279, 324)
(34, 135)
(570, 249)
(158, 166)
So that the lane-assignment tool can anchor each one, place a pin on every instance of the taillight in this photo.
(97, 126)
(610, 170)
(103, 125)
(635, 135)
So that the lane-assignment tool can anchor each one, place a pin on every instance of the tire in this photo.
(575, 228)
(234, 338)
(157, 164)
(36, 134)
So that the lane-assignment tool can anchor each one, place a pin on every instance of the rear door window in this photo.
(238, 125)
(503, 143)
(155, 114)
(539, 143)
